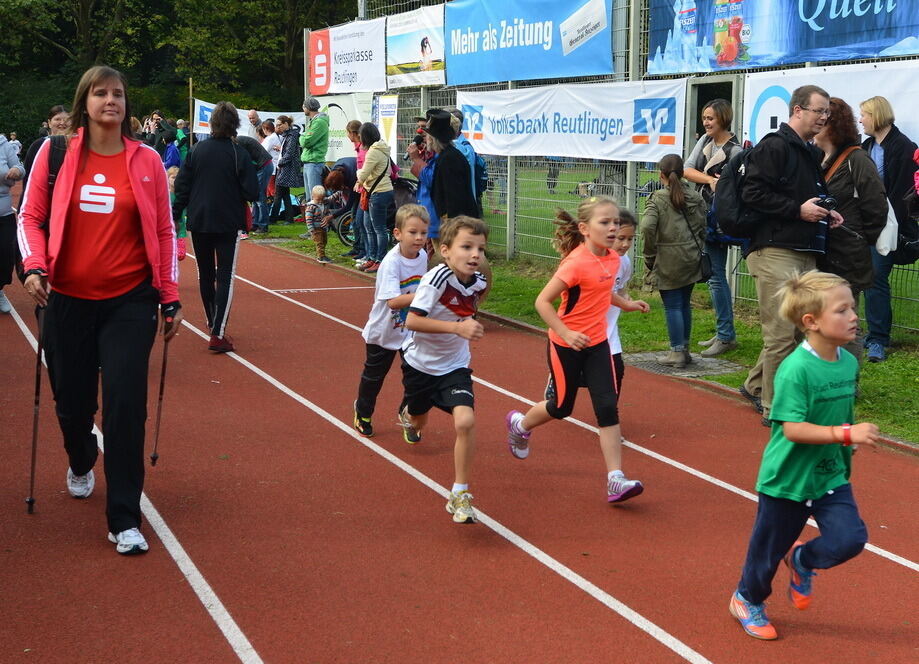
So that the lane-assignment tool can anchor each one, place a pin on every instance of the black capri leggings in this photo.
(215, 254)
(592, 367)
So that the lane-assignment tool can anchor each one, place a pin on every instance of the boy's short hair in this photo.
(626, 218)
(318, 189)
(406, 212)
(806, 294)
(453, 226)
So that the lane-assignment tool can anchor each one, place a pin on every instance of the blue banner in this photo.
(517, 40)
(741, 34)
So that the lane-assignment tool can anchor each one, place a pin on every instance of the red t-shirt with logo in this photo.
(589, 279)
(102, 249)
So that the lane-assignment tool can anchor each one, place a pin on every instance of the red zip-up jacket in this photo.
(151, 192)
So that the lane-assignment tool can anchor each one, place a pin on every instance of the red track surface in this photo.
(322, 550)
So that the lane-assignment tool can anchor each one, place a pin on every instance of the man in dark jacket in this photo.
(892, 153)
(264, 168)
(157, 131)
(783, 186)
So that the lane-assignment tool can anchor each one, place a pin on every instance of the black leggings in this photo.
(376, 366)
(216, 257)
(282, 195)
(8, 253)
(592, 367)
(79, 337)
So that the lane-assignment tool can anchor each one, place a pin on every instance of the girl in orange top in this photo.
(578, 346)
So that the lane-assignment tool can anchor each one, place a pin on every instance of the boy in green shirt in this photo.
(806, 465)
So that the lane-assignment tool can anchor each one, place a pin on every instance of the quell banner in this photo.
(767, 94)
(415, 47)
(517, 40)
(348, 58)
(640, 121)
(740, 34)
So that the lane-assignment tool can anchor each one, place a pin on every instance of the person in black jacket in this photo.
(264, 168)
(782, 189)
(157, 132)
(289, 173)
(892, 153)
(214, 184)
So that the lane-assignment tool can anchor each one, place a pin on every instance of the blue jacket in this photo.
(425, 181)
(8, 159)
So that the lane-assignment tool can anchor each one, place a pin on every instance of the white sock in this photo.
(460, 487)
(615, 474)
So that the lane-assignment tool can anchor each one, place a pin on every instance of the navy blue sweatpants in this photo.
(779, 523)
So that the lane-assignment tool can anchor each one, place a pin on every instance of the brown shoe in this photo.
(675, 358)
(718, 347)
(222, 344)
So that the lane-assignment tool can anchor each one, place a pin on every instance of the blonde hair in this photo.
(805, 294)
(172, 170)
(880, 110)
(567, 233)
(451, 228)
(406, 212)
(318, 189)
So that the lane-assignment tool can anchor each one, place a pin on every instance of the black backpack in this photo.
(58, 151)
(907, 251)
(729, 214)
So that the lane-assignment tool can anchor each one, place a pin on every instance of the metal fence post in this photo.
(511, 198)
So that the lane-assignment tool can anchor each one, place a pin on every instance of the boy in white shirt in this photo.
(399, 274)
(435, 361)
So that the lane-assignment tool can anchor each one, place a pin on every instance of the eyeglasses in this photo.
(825, 112)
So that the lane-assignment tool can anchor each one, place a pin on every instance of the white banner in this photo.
(641, 121)
(415, 48)
(389, 112)
(340, 108)
(767, 94)
(348, 58)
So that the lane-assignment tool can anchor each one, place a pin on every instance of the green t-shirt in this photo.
(808, 389)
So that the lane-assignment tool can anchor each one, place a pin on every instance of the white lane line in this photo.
(319, 290)
(889, 555)
(662, 636)
(212, 604)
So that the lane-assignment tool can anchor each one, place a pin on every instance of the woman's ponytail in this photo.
(671, 167)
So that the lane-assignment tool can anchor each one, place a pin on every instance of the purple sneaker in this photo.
(517, 442)
(620, 489)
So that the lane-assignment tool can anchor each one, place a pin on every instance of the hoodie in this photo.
(8, 160)
(315, 140)
(376, 162)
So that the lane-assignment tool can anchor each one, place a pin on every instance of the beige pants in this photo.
(771, 267)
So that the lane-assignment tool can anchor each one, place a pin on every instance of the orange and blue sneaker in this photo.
(752, 618)
(799, 585)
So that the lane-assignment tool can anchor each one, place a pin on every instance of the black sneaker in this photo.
(756, 401)
(362, 424)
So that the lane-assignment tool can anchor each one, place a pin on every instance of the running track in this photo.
(279, 535)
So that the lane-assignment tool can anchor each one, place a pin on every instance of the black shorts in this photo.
(423, 391)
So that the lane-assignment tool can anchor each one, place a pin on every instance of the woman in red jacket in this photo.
(100, 265)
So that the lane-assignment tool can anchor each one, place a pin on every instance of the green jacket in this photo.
(672, 252)
(315, 140)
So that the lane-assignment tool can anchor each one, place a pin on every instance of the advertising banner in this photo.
(348, 58)
(640, 121)
(415, 47)
(741, 34)
(517, 40)
(767, 94)
(340, 109)
(388, 109)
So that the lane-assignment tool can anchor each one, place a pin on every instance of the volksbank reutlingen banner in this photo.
(515, 40)
(640, 121)
(415, 47)
(766, 94)
(687, 36)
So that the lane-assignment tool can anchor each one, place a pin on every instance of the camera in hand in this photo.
(828, 203)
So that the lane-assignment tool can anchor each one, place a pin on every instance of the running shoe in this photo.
(5, 306)
(409, 433)
(362, 424)
(222, 344)
(129, 542)
(752, 398)
(324, 259)
(799, 585)
(243, 235)
(372, 268)
(620, 489)
(876, 352)
(752, 618)
(518, 441)
(80, 486)
(460, 506)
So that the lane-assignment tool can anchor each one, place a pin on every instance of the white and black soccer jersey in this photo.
(441, 296)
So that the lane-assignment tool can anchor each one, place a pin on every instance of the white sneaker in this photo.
(5, 305)
(80, 486)
(129, 542)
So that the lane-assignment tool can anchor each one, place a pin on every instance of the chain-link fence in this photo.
(525, 192)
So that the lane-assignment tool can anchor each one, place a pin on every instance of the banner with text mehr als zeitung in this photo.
(639, 121)
(516, 40)
(348, 58)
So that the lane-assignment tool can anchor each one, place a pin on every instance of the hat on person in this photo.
(311, 104)
(439, 125)
(420, 118)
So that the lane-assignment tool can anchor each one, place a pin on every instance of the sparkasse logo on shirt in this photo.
(96, 198)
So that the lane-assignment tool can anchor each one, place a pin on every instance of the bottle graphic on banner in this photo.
(682, 51)
(688, 16)
(731, 33)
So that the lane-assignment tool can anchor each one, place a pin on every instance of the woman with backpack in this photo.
(373, 177)
(704, 166)
(853, 180)
(673, 230)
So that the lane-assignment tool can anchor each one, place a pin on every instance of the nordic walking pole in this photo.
(30, 501)
(159, 406)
